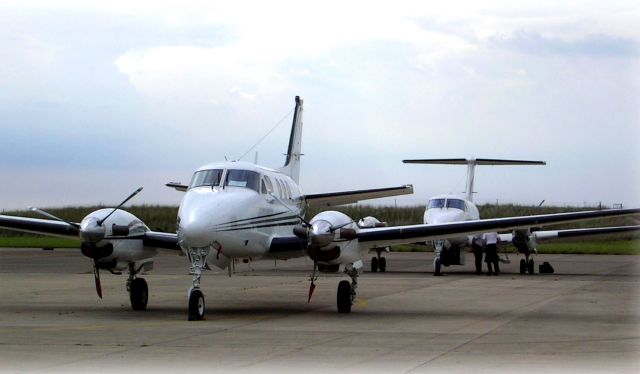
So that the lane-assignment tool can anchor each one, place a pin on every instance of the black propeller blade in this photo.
(100, 222)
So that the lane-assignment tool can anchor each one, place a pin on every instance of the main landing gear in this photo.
(526, 265)
(347, 291)
(138, 289)
(198, 259)
(378, 262)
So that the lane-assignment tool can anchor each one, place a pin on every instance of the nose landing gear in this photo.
(198, 259)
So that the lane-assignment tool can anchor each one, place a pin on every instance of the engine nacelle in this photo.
(370, 222)
(118, 246)
(331, 238)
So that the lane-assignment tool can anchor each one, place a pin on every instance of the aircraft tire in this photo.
(344, 297)
(196, 305)
(382, 264)
(530, 267)
(374, 264)
(523, 266)
(138, 294)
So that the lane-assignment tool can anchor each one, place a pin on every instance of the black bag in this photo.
(546, 268)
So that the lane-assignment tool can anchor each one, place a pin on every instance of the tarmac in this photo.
(583, 317)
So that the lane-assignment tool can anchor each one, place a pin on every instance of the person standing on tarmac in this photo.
(476, 246)
(491, 241)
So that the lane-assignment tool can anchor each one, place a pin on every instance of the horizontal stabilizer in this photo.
(178, 186)
(478, 161)
(350, 197)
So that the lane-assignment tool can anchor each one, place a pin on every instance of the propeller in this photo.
(96, 277)
(100, 222)
(92, 231)
(72, 225)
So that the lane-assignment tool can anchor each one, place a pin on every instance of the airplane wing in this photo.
(386, 236)
(38, 226)
(158, 239)
(564, 234)
(57, 228)
(349, 197)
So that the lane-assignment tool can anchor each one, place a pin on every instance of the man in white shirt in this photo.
(491, 241)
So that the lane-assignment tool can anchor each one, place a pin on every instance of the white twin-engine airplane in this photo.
(241, 210)
(450, 250)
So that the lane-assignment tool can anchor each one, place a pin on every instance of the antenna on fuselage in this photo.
(471, 165)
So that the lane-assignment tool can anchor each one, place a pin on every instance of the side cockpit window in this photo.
(208, 178)
(267, 186)
(243, 178)
(456, 204)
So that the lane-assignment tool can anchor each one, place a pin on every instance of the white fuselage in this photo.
(239, 210)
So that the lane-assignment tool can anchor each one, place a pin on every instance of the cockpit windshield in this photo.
(243, 178)
(436, 203)
(209, 178)
(455, 203)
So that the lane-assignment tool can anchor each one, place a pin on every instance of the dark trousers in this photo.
(491, 258)
(477, 253)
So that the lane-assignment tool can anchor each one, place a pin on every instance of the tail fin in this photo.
(292, 164)
(471, 165)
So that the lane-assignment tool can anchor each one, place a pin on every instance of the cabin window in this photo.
(455, 203)
(243, 178)
(267, 186)
(286, 187)
(436, 203)
(206, 178)
(282, 193)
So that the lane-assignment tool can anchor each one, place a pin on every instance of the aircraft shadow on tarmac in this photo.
(274, 310)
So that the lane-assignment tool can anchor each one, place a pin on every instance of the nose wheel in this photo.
(196, 305)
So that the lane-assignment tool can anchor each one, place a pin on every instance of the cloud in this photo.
(594, 45)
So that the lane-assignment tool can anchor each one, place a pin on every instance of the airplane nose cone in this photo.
(194, 232)
(446, 216)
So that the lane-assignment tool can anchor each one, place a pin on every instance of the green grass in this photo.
(38, 242)
(600, 247)
(612, 247)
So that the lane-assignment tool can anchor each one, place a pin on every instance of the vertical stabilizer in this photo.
(292, 163)
(471, 165)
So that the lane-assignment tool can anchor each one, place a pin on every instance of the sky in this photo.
(99, 98)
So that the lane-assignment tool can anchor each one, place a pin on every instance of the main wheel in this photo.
(196, 306)
(523, 266)
(530, 266)
(382, 264)
(138, 294)
(344, 297)
(374, 264)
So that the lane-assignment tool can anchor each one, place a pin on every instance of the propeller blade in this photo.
(100, 222)
(46, 214)
(96, 276)
(313, 278)
(312, 287)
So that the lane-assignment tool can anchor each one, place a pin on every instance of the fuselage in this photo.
(451, 208)
(237, 208)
